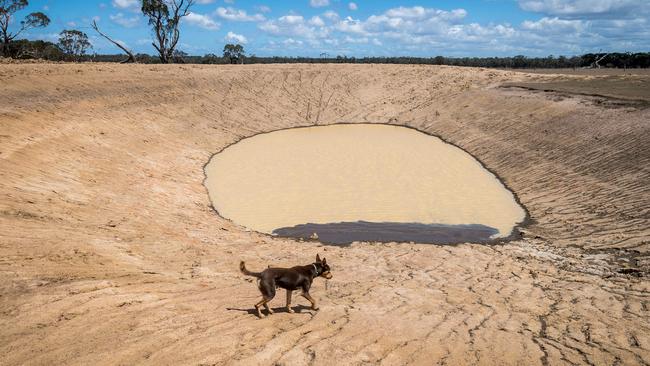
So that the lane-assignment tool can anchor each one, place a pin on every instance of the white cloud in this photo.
(263, 9)
(204, 2)
(591, 25)
(349, 39)
(202, 21)
(555, 25)
(238, 15)
(584, 8)
(426, 31)
(316, 21)
(292, 19)
(353, 6)
(128, 22)
(126, 4)
(420, 13)
(350, 25)
(415, 21)
(234, 37)
(331, 15)
(295, 26)
(292, 42)
(319, 3)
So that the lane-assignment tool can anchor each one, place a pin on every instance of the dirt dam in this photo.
(111, 251)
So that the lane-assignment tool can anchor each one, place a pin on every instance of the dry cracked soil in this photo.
(110, 252)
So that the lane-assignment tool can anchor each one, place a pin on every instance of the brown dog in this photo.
(290, 279)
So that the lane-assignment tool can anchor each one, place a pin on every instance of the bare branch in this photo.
(597, 62)
(128, 52)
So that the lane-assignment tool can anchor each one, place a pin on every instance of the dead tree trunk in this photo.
(596, 63)
(128, 52)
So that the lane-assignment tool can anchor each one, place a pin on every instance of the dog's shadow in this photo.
(299, 309)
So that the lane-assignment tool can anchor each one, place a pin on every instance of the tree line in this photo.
(55, 52)
(164, 18)
(596, 60)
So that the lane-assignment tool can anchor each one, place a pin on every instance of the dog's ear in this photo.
(324, 260)
(317, 258)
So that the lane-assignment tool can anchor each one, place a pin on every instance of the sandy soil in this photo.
(609, 86)
(111, 254)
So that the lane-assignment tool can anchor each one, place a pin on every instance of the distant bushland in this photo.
(50, 51)
(25, 49)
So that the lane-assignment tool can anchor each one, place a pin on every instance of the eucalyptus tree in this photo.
(164, 18)
(74, 43)
(8, 8)
(233, 52)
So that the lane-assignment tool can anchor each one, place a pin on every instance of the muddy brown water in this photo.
(360, 182)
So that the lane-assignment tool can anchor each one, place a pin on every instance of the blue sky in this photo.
(370, 28)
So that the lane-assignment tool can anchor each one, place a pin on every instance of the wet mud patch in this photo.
(343, 233)
(609, 91)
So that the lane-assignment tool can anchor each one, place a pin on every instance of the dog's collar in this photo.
(315, 268)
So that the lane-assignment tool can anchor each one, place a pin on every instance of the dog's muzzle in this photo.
(327, 275)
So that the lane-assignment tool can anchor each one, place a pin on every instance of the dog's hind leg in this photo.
(260, 304)
(268, 309)
(267, 288)
(289, 309)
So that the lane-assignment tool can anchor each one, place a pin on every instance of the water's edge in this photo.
(343, 233)
(515, 234)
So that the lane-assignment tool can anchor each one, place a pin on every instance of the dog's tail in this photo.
(242, 268)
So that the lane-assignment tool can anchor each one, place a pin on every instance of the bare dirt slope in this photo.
(110, 252)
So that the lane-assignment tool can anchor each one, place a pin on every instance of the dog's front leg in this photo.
(307, 296)
(289, 309)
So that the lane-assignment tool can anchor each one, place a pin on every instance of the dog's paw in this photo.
(315, 308)
(290, 310)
